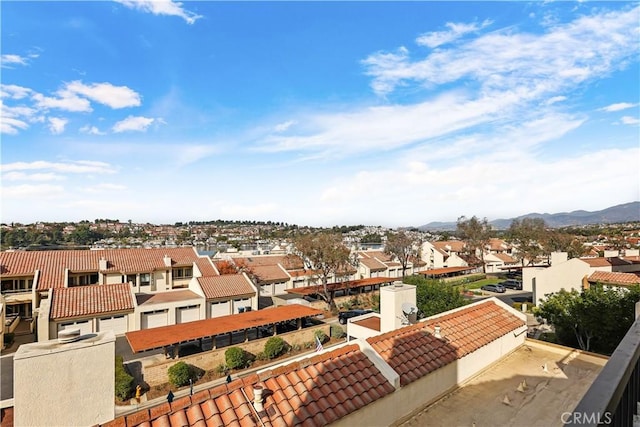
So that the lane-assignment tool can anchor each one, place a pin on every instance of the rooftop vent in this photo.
(68, 335)
(436, 332)
(257, 398)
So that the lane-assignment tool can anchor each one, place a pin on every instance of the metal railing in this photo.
(612, 399)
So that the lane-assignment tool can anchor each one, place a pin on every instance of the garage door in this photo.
(84, 326)
(280, 288)
(188, 314)
(117, 324)
(220, 309)
(240, 305)
(153, 319)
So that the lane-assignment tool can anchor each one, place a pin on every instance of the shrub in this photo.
(221, 369)
(274, 347)
(336, 331)
(261, 356)
(124, 381)
(179, 374)
(235, 358)
(319, 333)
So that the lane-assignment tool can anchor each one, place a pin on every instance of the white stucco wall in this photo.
(65, 384)
(567, 275)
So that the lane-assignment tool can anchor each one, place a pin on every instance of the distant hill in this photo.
(627, 212)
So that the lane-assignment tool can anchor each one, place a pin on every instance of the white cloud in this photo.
(555, 99)
(564, 56)
(131, 123)
(105, 93)
(617, 107)
(104, 187)
(9, 59)
(14, 119)
(78, 166)
(193, 153)
(21, 176)
(66, 101)
(455, 31)
(14, 91)
(57, 124)
(629, 120)
(162, 7)
(11, 126)
(91, 130)
(30, 191)
(281, 127)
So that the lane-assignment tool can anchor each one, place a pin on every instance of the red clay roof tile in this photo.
(89, 300)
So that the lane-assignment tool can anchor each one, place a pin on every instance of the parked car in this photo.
(494, 288)
(343, 316)
(512, 284)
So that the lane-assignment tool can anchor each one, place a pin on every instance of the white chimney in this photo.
(167, 260)
(257, 398)
(436, 332)
(102, 264)
(391, 300)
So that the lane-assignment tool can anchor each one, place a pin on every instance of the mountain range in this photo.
(627, 212)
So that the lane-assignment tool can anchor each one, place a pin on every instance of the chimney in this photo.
(257, 398)
(558, 257)
(102, 264)
(391, 300)
(167, 260)
(436, 332)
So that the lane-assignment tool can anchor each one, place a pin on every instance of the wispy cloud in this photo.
(57, 124)
(629, 120)
(14, 91)
(565, 55)
(66, 101)
(618, 107)
(21, 176)
(281, 127)
(16, 118)
(193, 153)
(99, 188)
(91, 130)
(78, 166)
(162, 7)
(454, 32)
(133, 124)
(105, 93)
(29, 191)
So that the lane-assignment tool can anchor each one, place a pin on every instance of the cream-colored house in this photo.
(443, 254)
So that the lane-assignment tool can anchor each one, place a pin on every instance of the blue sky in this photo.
(324, 113)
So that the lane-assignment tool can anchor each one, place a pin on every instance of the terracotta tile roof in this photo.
(445, 270)
(311, 392)
(379, 255)
(269, 274)
(165, 297)
(507, 259)
(623, 279)
(225, 286)
(373, 264)
(605, 262)
(289, 262)
(90, 300)
(449, 245)
(52, 264)
(498, 244)
(303, 273)
(148, 339)
(206, 267)
(371, 281)
(413, 351)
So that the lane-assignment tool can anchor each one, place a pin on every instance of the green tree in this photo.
(401, 245)
(274, 347)
(476, 234)
(325, 253)
(235, 358)
(594, 319)
(434, 296)
(528, 235)
(180, 374)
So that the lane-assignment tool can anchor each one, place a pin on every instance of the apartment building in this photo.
(118, 289)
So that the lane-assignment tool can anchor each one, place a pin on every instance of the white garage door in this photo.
(220, 309)
(153, 319)
(280, 288)
(84, 326)
(188, 314)
(117, 324)
(241, 305)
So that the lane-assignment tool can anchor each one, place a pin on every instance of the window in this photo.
(131, 278)
(183, 273)
(16, 285)
(145, 279)
(83, 279)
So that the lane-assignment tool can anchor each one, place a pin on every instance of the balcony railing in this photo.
(15, 291)
(612, 399)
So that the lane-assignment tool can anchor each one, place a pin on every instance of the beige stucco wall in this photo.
(412, 397)
(65, 384)
(567, 275)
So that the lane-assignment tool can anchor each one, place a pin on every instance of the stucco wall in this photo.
(157, 373)
(65, 384)
(567, 275)
(412, 397)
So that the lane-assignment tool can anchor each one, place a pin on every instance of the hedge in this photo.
(235, 358)
(124, 381)
(274, 347)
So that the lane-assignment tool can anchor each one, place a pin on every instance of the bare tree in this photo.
(476, 234)
(401, 245)
(325, 253)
